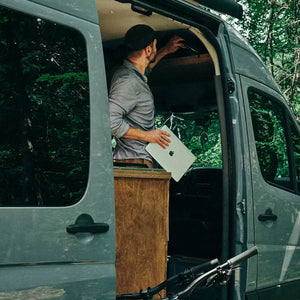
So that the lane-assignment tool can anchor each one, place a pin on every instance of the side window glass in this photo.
(44, 112)
(270, 137)
(296, 150)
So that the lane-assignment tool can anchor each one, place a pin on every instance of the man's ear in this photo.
(148, 50)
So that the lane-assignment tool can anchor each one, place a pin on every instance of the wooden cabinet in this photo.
(142, 208)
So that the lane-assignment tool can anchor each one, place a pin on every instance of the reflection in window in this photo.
(44, 112)
(296, 149)
(267, 119)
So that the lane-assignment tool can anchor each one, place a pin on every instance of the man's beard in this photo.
(153, 59)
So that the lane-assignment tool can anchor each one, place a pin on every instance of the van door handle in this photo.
(85, 223)
(268, 216)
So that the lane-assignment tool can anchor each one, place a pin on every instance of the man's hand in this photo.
(158, 136)
(173, 45)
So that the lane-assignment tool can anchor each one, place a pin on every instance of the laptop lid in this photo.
(176, 158)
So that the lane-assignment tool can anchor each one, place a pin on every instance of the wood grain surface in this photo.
(142, 207)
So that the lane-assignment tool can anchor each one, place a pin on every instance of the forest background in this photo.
(272, 28)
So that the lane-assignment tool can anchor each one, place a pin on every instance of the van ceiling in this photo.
(116, 18)
(189, 74)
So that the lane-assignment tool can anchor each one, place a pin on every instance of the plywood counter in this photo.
(142, 207)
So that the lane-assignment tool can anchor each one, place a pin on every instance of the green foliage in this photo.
(272, 28)
(271, 145)
(65, 79)
(202, 137)
(44, 84)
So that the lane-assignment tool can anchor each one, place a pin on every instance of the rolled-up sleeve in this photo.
(122, 100)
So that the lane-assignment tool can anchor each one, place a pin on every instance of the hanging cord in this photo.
(172, 118)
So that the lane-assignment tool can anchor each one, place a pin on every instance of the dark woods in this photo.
(44, 112)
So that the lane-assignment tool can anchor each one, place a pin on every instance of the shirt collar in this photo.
(129, 65)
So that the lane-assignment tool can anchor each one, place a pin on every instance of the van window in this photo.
(44, 112)
(296, 150)
(270, 137)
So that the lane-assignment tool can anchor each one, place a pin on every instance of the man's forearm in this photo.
(156, 136)
(136, 134)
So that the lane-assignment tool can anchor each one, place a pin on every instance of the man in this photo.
(131, 100)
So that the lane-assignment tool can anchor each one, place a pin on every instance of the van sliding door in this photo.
(56, 178)
(274, 153)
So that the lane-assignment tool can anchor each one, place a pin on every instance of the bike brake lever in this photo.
(225, 276)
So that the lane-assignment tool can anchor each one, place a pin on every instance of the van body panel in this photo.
(247, 62)
(245, 206)
(58, 281)
(244, 203)
(35, 240)
(85, 10)
(278, 241)
(102, 190)
(241, 226)
(241, 205)
(290, 290)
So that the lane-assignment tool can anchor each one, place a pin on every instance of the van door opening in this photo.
(186, 100)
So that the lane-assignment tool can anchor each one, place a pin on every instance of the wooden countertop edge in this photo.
(141, 173)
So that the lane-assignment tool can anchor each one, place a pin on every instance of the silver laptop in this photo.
(176, 158)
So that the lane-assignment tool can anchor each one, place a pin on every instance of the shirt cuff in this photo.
(122, 130)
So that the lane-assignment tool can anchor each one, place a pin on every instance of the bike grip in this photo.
(204, 266)
(243, 256)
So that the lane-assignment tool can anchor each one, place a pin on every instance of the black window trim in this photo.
(290, 149)
(292, 122)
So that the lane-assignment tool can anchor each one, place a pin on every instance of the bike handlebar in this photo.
(243, 256)
(191, 272)
(228, 265)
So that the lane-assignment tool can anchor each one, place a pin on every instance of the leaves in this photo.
(272, 28)
(53, 66)
(202, 137)
(65, 79)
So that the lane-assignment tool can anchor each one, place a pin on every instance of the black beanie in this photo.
(139, 37)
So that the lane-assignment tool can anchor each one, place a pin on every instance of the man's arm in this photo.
(157, 136)
(120, 128)
(172, 46)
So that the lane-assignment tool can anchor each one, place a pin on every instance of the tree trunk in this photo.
(30, 195)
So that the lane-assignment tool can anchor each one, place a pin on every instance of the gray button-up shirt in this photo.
(131, 104)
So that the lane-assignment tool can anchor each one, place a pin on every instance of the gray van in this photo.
(56, 170)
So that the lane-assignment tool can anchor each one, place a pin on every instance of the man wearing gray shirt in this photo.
(131, 101)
